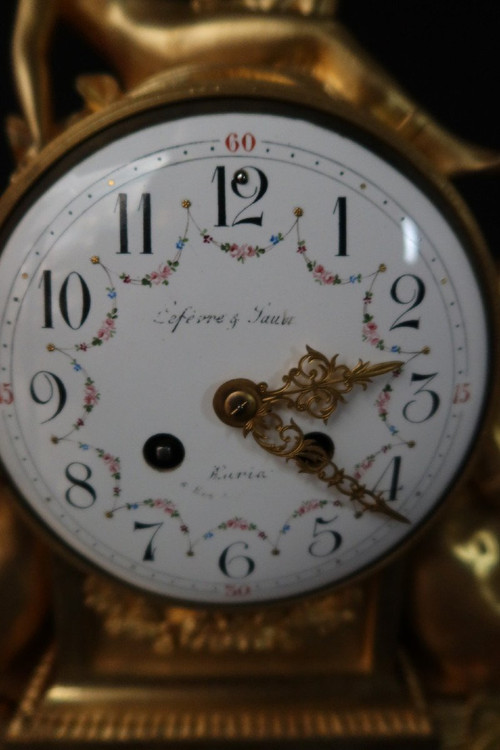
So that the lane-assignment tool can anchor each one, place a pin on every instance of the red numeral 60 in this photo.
(234, 142)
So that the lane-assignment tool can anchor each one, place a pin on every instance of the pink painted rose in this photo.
(235, 251)
(318, 272)
(104, 333)
(165, 271)
(91, 395)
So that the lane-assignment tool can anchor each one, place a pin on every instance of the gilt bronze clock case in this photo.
(253, 152)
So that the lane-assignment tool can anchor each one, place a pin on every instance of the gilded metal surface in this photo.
(142, 39)
(303, 7)
(455, 587)
(483, 724)
(93, 716)
(168, 629)
(151, 45)
(456, 596)
(72, 726)
(315, 387)
(288, 441)
(318, 384)
(24, 583)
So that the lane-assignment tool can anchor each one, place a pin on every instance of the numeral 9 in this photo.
(45, 388)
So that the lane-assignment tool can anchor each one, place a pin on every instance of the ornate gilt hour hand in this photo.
(315, 386)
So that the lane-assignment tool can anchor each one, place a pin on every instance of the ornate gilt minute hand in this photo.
(316, 386)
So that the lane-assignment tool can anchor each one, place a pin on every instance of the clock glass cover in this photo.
(165, 257)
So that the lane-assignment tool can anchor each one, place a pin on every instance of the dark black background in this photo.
(443, 52)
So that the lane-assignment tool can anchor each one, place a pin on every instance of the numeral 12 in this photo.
(251, 193)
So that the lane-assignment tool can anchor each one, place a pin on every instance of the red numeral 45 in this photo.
(462, 393)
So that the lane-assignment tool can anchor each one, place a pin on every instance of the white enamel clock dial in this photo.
(176, 253)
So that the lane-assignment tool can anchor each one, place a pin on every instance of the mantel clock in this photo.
(246, 350)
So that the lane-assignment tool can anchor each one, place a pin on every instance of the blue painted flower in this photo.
(208, 535)
(76, 367)
(285, 528)
(84, 446)
(393, 430)
(275, 239)
(353, 279)
(179, 244)
(111, 294)
(396, 349)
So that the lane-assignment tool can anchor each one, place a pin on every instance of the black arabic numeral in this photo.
(237, 566)
(220, 177)
(432, 398)
(409, 290)
(145, 207)
(74, 285)
(394, 467)
(255, 190)
(81, 494)
(64, 299)
(341, 211)
(123, 221)
(145, 204)
(45, 388)
(46, 284)
(326, 541)
(149, 552)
